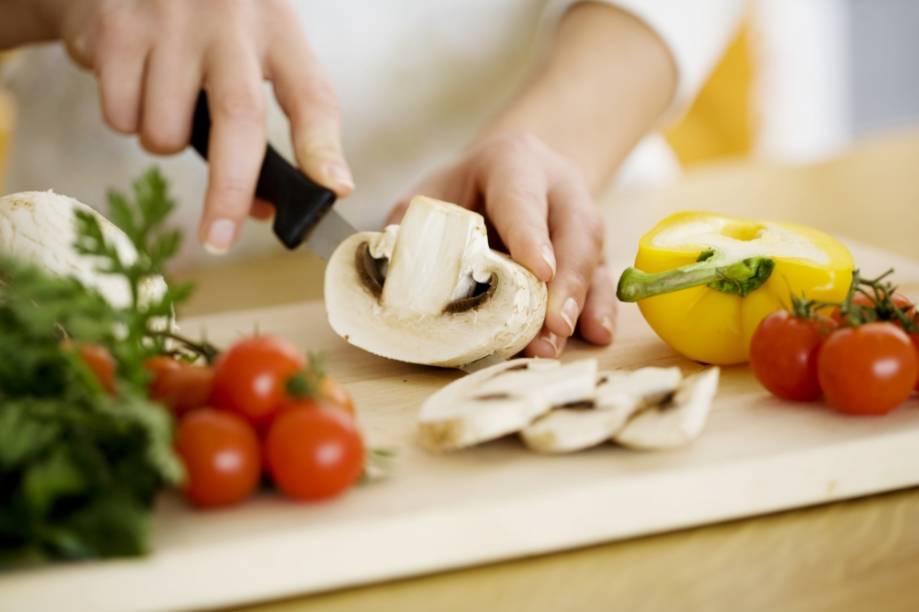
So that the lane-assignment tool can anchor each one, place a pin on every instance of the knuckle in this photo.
(567, 167)
(588, 223)
(321, 94)
(522, 143)
(516, 146)
(164, 137)
(521, 195)
(171, 9)
(230, 198)
(280, 8)
(117, 30)
(231, 8)
(578, 279)
(114, 18)
(241, 104)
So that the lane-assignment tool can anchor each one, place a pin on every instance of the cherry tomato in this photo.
(860, 299)
(783, 354)
(249, 378)
(314, 453)
(158, 364)
(867, 370)
(334, 394)
(100, 361)
(180, 386)
(914, 338)
(221, 456)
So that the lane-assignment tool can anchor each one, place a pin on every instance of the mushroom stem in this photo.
(427, 262)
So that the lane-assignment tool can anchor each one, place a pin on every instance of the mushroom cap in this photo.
(501, 400)
(453, 257)
(674, 422)
(38, 227)
(619, 395)
(565, 430)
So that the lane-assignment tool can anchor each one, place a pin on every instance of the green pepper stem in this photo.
(738, 277)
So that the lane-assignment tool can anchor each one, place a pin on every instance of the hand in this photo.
(151, 58)
(540, 207)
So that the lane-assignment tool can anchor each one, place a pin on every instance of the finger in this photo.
(261, 209)
(170, 91)
(452, 183)
(546, 345)
(516, 203)
(307, 98)
(398, 211)
(597, 324)
(237, 143)
(119, 61)
(577, 234)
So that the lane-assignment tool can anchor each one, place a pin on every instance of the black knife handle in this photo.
(299, 203)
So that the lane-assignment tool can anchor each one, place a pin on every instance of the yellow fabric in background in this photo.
(720, 121)
(7, 117)
(6, 134)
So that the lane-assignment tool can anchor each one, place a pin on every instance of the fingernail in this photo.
(548, 256)
(569, 314)
(339, 175)
(550, 340)
(220, 236)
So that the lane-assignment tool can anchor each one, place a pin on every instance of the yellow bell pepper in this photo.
(704, 281)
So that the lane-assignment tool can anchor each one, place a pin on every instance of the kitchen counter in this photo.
(849, 555)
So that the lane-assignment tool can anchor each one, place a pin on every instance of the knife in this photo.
(303, 209)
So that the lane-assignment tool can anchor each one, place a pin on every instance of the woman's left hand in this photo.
(542, 210)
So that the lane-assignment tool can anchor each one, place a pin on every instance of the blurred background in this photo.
(804, 79)
(801, 81)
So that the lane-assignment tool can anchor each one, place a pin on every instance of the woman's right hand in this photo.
(151, 58)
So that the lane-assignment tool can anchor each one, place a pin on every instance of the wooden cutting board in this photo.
(757, 455)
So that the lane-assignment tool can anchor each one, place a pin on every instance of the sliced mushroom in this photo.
(675, 419)
(431, 291)
(501, 400)
(38, 227)
(619, 395)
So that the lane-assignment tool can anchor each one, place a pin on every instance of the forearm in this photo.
(23, 22)
(603, 86)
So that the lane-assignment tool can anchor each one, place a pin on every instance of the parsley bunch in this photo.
(80, 467)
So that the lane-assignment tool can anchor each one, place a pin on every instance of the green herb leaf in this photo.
(80, 468)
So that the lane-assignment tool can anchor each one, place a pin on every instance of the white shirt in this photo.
(415, 81)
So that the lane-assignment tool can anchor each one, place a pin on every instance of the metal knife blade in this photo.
(303, 208)
(331, 230)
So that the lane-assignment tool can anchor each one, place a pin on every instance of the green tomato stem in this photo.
(738, 277)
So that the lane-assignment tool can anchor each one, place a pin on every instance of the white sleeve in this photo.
(695, 31)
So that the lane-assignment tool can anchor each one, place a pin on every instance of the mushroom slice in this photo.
(38, 227)
(430, 290)
(676, 419)
(619, 395)
(501, 400)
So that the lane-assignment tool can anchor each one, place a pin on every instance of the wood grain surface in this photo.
(856, 555)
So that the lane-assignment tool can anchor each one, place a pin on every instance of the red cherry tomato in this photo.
(314, 453)
(221, 456)
(180, 386)
(914, 338)
(158, 364)
(100, 361)
(783, 354)
(860, 299)
(249, 378)
(868, 370)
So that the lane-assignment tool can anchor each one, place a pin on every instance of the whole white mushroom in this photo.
(431, 291)
(38, 227)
